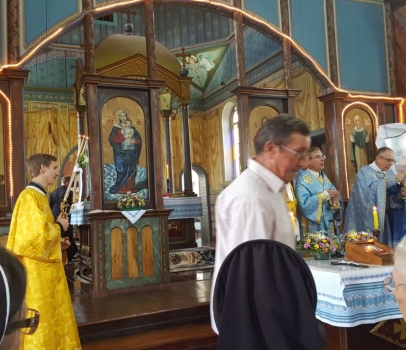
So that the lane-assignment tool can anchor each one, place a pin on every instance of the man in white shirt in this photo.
(253, 206)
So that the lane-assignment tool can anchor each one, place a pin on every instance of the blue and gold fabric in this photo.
(370, 190)
(312, 201)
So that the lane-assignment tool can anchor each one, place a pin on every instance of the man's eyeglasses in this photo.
(319, 157)
(300, 155)
(388, 160)
(390, 284)
(28, 325)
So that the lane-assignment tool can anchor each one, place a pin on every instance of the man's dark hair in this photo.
(383, 150)
(36, 160)
(313, 149)
(278, 130)
(65, 179)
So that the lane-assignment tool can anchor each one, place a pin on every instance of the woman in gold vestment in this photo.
(35, 238)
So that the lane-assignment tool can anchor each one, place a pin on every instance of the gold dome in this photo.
(118, 47)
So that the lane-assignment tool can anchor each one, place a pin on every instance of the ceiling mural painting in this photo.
(202, 64)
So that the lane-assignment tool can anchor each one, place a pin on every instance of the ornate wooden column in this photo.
(331, 42)
(286, 47)
(150, 37)
(287, 55)
(81, 109)
(89, 38)
(90, 82)
(168, 151)
(242, 99)
(11, 85)
(155, 113)
(12, 32)
(89, 67)
(187, 164)
(390, 44)
(335, 162)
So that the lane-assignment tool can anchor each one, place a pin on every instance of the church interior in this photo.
(194, 80)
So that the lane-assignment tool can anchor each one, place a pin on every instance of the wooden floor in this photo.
(174, 338)
(157, 318)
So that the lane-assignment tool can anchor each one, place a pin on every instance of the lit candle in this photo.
(375, 214)
(167, 171)
(293, 219)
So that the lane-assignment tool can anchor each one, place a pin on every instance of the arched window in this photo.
(235, 141)
(195, 182)
(229, 121)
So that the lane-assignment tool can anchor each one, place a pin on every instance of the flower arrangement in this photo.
(83, 160)
(356, 236)
(316, 243)
(130, 201)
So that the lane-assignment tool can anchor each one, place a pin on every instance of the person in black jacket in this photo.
(55, 199)
(265, 298)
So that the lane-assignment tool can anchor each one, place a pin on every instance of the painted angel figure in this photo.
(200, 65)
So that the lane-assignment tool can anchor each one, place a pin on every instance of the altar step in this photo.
(143, 323)
(173, 316)
(193, 336)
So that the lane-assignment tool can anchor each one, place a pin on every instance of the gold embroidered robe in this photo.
(291, 201)
(35, 238)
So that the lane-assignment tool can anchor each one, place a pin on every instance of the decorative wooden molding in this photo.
(268, 92)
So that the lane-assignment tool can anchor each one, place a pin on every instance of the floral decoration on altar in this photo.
(130, 201)
(83, 160)
(316, 243)
(353, 235)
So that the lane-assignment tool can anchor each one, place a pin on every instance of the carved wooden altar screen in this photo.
(125, 255)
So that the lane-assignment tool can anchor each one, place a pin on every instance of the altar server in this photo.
(35, 238)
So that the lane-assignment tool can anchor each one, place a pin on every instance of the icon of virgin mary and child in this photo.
(126, 142)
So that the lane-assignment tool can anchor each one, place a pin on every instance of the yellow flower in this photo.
(309, 241)
(316, 246)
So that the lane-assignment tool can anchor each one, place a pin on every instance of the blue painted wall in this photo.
(53, 70)
(361, 46)
(41, 15)
(308, 28)
(258, 47)
(175, 27)
(267, 9)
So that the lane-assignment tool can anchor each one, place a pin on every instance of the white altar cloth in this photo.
(349, 296)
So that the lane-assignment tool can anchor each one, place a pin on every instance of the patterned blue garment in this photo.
(369, 190)
(314, 207)
(397, 218)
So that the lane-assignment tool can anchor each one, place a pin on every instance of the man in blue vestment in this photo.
(314, 193)
(374, 182)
